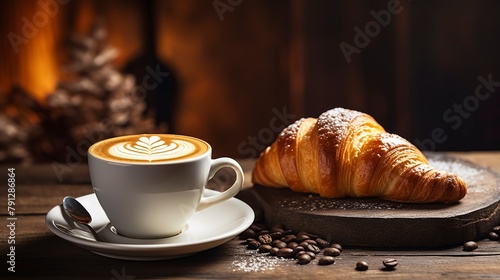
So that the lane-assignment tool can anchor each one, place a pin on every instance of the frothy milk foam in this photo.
(149, 148)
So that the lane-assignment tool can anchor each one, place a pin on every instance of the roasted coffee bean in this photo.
(265, 248)
(249, 240)
(277, 235)
(276, 242)
(265, 239)
(289, 238)
(298, 249)
(262, 232)
(253, 245)
(493, 236)
(362, 266)
(302, 237)
(310, 241)
(326, 260)
(299, 253)
(390, 263)
(313, 248)
(470, 246)
(248, 233)
(496, 230)
(273, 251)
(304, 259)
(313, 255)
(287, 232)
(322, 243)
(285, 253)
(280, 245)
(334, 252)
(336, 245)
(292, 245)
(311, 235)
(303, 244)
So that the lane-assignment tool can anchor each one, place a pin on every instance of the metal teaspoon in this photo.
(78, 213)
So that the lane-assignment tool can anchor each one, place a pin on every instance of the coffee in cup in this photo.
(150, 185)
(149, 149)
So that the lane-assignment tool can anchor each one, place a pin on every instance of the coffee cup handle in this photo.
(217, 164)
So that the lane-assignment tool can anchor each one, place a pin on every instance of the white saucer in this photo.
(208, 228)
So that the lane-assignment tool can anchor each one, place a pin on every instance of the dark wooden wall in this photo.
(265, 57)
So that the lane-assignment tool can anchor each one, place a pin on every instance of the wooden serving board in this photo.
(376, 223)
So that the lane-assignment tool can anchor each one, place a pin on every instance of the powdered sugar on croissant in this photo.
(347, 153)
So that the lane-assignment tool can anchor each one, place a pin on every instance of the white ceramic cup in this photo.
(157, 199)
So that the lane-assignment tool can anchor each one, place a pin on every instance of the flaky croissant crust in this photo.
(347, 153)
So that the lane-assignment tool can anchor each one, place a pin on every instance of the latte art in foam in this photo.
(152, 148)
(149, 148)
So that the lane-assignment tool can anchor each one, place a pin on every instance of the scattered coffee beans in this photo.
(334, 252)
(313, 248)
(302, 237)
(276, 235)
(274, 251)
(292, 245)
(302, 246)
(470, 246)
(310, 241)
(253, 245)
(390, 263)
(297, 254)
(281, 245)
(493, 236)
(322, 243)
(285, 253)
(326, 260)
(335, 245)
(266, 248)
(264, 231)
(289, 238)
(362, 266)
(265, 239)
(313, 255)
(275, 242)
(280, 242)
(298, 249)
(496, 230)
(304, 259)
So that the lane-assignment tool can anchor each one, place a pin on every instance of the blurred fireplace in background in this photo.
(232, 71)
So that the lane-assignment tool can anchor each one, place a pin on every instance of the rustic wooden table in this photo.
(42, 255)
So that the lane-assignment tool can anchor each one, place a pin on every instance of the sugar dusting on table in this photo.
(457, 167)
(253, 261)
(470, 174)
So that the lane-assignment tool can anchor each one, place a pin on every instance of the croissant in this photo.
(347, 153)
